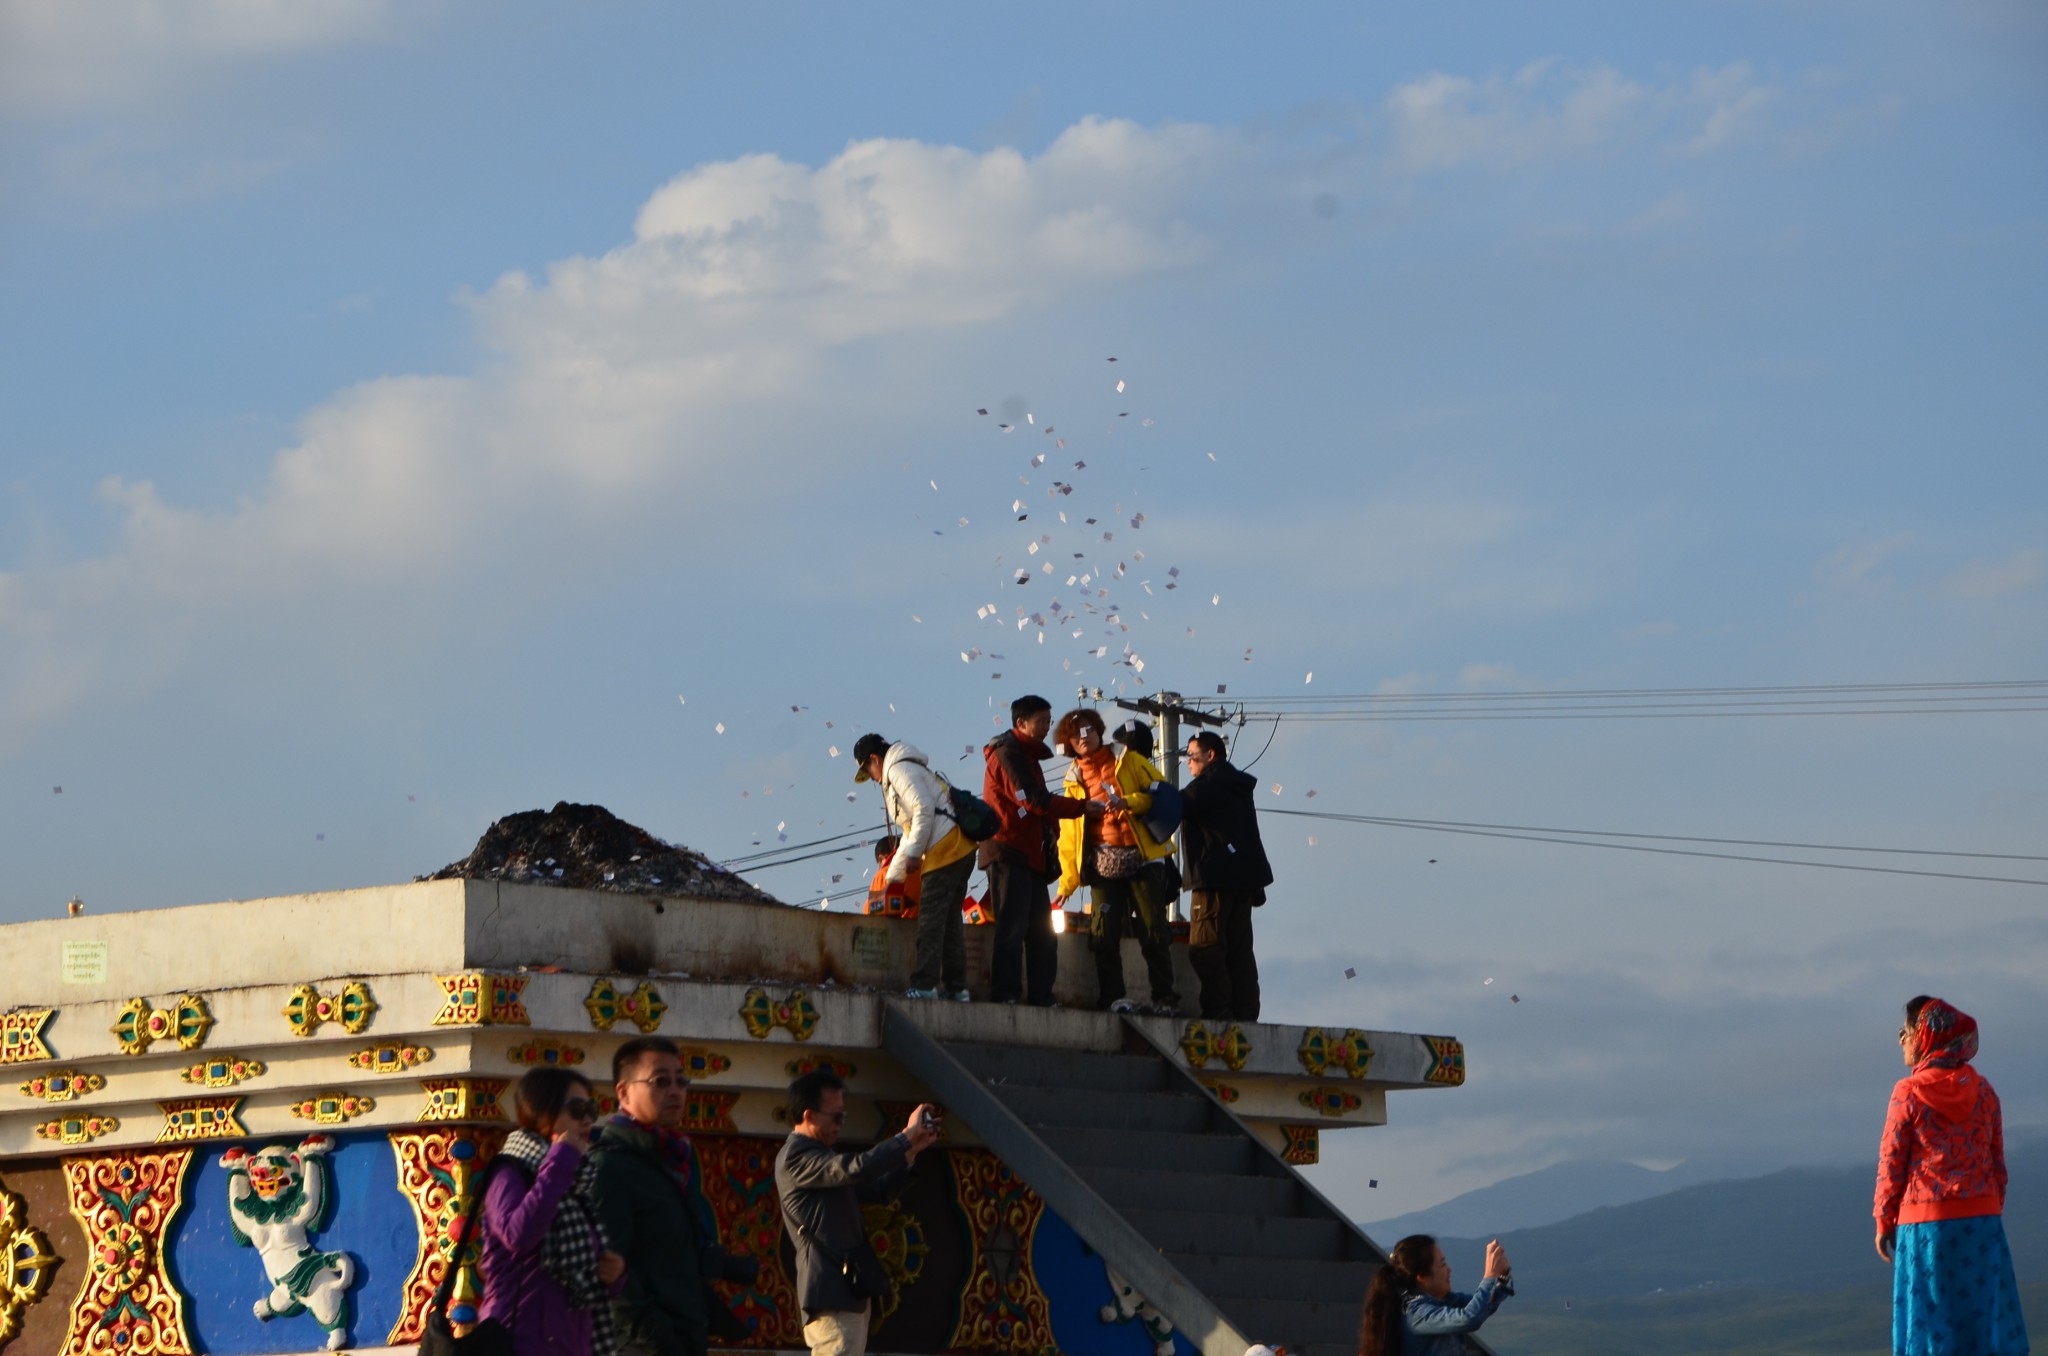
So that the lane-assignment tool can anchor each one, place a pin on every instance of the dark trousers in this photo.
(941, 938)
(1117, 902)
(1220, 950)
(1023, 933)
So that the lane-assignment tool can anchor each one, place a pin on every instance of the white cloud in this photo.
(75, 55)
(2022, 571)
(1491, 675)
(1852, 565)
(1545, 110)
(741, 278)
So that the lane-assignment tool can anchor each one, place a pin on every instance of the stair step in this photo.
(1147, 1111)
(1276, 1278)
(1091, 1150)
(1153, 1189)
(998, 1065)
(1208, 1232)
(1294, 1324)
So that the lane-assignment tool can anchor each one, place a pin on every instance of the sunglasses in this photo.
(580, 1109)
(663, 1082)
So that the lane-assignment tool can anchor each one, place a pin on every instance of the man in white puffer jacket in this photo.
(916, 801)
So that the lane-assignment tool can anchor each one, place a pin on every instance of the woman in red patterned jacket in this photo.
(1941, 1197)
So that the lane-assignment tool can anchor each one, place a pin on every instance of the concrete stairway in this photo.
(1204, 1220)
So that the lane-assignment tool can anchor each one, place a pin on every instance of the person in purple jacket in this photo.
(548, 1274)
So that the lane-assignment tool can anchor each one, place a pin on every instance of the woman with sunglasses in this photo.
(548, 1276)
(1941, 1196)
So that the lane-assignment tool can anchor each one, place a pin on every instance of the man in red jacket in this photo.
(1021, 860)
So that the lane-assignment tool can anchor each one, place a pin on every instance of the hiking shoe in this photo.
(1125, 1005)
(920, 993)
(962, 996)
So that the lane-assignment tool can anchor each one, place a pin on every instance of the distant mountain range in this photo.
(1542, 1197)
(1782, 1263)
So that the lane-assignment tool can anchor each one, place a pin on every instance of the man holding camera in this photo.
(837, 1273)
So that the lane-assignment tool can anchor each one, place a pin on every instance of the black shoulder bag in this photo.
(490, 1337)
(859, 1268)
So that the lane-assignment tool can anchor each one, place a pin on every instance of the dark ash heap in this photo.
(587, 847)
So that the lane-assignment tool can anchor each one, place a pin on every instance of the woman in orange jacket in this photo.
(1941, 1196)
(1117, 856)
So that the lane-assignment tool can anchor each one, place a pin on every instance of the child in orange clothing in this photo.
(902, 904)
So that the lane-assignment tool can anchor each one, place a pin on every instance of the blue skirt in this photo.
(1953, 1292)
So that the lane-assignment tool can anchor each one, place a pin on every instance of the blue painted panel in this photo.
(222, 1280)
(1072, 1276)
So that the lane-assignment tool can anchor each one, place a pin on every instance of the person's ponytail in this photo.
(1379, 1329)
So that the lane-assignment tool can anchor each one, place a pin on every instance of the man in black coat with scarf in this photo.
(1227, 876)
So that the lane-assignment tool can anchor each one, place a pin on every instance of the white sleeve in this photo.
(915, 788)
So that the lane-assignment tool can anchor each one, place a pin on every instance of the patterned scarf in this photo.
(672, 1146)
(1948, 1038)
(574, 1239)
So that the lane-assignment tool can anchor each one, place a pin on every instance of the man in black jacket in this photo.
(1227, 876)
(821, 1191)
(650, 1199)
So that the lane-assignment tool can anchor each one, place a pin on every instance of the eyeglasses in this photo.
(1904, 1032)
(662, 1082)
(833, 1117)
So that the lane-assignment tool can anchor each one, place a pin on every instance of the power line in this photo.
(1677, 837)
(1637, 692)
(1540, 836)
(1636, 713)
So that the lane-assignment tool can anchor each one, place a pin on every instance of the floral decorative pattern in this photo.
(1349, 1052)
(1331, 1101)
(201, 1118)
(1201, 1045)
(435, 1169)
(462, 1099)
(796, 1014)
(62, 1085)
(26, 1265)
(389, 1057)
(478, 998)
(78, 1129)
(546, 1054)
(333, 1108)
(710, 1113)
(1446, 1061)
(224, 1072)
(1302, 1144)
(21, 1035)
(607, 1007)
(307, 1010)
(186, 1020)
(126, 1302)
(1001, 1306)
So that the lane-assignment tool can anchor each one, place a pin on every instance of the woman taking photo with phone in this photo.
(548, 1275)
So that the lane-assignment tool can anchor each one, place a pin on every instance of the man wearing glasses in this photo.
(837, 1273)
(650, 1201)
(1227, 876)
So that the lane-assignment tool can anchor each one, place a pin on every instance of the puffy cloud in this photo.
(740, 279)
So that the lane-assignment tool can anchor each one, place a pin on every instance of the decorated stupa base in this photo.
(249, 1127)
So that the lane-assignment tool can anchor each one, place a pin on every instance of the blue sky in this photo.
(407, 404)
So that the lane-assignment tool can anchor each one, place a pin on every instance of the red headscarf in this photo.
(1947, 1036)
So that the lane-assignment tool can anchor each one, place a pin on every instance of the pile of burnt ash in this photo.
(587, 847)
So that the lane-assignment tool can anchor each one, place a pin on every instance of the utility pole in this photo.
(1168, 711)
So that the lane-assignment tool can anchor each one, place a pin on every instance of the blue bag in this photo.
(1162, 821)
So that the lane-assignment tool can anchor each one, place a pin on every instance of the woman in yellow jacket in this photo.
(1117, 856)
